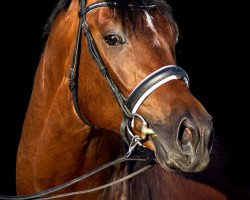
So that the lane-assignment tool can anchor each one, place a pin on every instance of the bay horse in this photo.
(107, 83)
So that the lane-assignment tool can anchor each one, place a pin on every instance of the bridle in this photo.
(129, 106)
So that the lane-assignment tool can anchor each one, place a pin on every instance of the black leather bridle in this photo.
(138, 95)
(129, 105)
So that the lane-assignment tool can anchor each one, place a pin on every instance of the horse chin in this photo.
(163, 157)
(174, 161)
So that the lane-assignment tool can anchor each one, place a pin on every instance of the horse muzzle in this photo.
(142, 91)
(187, 149)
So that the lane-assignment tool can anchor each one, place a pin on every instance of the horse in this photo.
(107, 84)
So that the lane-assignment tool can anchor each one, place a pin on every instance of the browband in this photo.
(113, 4)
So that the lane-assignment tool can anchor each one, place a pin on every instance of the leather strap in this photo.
(93, 50)
(73, 74)
(153, 80)
(114, 4)
(40, 195)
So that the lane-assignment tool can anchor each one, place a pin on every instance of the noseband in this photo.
(130, 105)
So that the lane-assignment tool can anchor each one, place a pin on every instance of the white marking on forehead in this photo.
(149, 20)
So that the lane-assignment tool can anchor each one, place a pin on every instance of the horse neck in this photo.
(55, 145)
(51, 96)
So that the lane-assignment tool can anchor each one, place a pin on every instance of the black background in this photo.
(210, 49)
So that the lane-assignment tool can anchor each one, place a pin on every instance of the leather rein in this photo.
(129, 106)
(43, 195)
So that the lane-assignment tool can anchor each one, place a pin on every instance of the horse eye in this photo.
(113, 40)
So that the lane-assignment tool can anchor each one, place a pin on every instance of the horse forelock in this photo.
(128, 12)
(132, 17)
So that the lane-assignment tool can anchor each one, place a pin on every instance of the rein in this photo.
(41, 195)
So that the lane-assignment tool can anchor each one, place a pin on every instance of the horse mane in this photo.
(122, 10)
(61, 5)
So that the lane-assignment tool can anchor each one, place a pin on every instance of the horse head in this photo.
(135, 41)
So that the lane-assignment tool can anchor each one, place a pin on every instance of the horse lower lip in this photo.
(162, 155)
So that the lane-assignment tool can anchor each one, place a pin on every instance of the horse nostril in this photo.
(186, 136)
